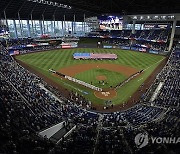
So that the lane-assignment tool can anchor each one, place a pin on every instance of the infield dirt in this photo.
(75, 69)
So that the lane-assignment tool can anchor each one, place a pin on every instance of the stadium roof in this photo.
(80, 7)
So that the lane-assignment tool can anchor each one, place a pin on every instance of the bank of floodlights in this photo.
(50, 3)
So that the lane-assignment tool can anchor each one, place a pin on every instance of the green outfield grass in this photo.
(57, 59)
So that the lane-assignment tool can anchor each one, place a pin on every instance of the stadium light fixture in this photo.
(135, 17)
(163, 17)
(51, 3)
(148, 17)
(156, 17)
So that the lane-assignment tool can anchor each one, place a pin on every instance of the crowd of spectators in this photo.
(81, 141)
(34, 107)
(148, 35)
(171, 83)
(17, 127)
(26, 45)
(26, 109)
(136, 45)
(141, 40)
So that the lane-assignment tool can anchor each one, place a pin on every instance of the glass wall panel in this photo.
(78, 29)
(36, 28)
(18, 27)
(48, 27)
(58, 28)
(31, 25)
(87, 28)
(68, 28)
(24, 28)
(11, 28)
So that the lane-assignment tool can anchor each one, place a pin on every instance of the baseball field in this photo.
(106, 74)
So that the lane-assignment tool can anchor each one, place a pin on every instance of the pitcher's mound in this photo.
(101, 78)
(106, 94)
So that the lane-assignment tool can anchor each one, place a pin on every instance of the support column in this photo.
(41, 28)
(35, 28)
(64, 25)
(74, 24)
(54, 26)
(20, 24)
(5, 19)
(28, 26)
(15, 29)
(84, 25)
(58, 27)
(47, 27)
(52, 29)
(133, 28)
(32, 26)
(172, 35)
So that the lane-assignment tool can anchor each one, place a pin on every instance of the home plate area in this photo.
(106, 94)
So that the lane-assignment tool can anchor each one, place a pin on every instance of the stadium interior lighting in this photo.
(156, 17)
(51, 3)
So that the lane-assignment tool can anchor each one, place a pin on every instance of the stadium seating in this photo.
(27, 109)
(153, 41)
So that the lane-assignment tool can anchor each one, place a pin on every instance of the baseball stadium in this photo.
(118, 79)
(89, 77)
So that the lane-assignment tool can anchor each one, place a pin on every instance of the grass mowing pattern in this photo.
(56, 59)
